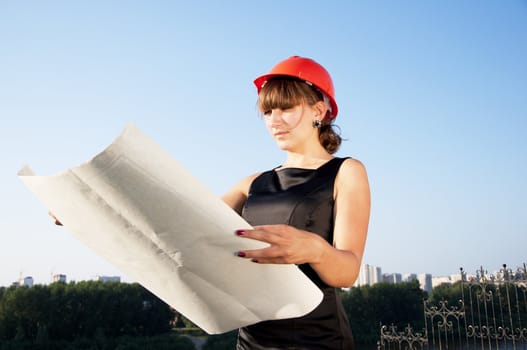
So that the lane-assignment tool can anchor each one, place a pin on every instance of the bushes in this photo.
(368, 307)
(161, 342)
(76, 310)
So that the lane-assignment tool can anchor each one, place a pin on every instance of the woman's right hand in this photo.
(57, 221)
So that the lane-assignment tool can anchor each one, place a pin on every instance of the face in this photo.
(292, 128)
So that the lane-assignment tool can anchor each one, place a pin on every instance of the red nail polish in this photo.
(241, 254)
(240, 232)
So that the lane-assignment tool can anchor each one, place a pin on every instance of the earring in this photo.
(317, 124)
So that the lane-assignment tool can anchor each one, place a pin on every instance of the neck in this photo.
(306, 160)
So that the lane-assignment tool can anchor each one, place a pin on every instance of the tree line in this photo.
(84, 315)
(106, 315)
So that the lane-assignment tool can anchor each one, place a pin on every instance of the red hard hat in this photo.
(304, 69)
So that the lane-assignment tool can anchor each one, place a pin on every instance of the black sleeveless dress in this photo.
(302, 198)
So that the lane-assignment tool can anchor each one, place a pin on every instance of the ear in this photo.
(320, 109)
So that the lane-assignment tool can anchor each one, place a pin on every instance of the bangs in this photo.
(284, 93)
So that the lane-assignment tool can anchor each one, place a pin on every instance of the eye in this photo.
(267, 113)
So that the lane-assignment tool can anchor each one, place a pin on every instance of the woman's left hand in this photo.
(288, 245)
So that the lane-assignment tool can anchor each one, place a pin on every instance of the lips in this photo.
(280, 133)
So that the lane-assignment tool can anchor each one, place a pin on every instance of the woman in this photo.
(313, 210)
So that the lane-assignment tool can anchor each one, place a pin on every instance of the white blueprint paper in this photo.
(134, 205)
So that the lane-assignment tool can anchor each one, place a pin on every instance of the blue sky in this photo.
(432, 99)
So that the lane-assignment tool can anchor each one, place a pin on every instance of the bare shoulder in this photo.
(352, 167)
(246, 182)
(352, 173)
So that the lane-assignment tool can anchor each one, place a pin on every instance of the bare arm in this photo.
(237, 195)
(339, 265)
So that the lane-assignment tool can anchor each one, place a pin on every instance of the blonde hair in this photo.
(285, 92)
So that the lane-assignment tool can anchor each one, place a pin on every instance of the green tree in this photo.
(76, 310)
(367, 307)
(452, 294)
(23, 309)
(42, 339)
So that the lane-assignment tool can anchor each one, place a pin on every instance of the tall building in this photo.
(26, 281)
(409, 277)
(392, 278)
(425, 282)
(377, 275)
(59, 278)
(109, 278)
(368, 275)
(439, 280)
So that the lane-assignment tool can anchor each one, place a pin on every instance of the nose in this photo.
(274, 117)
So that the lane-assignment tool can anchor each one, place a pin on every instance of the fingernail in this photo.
(241, 254)
(240, 232)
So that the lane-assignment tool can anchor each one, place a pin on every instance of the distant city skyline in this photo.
(369, 275)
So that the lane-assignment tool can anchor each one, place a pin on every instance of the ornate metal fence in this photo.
(491, 314)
